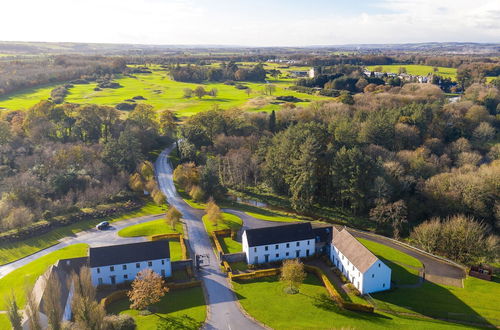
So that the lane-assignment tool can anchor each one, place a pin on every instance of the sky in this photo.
(250, 22)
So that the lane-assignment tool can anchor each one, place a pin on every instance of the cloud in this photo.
(238, 23)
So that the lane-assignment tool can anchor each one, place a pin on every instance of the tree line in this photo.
(225, 72)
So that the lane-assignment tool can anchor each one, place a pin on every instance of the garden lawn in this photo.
(418, 70)
(26, 276)
(185, 308)
(154, 227)
(229, 245)
(404, 267)
(4, 322)
(229, 221)
(26, 98)
(271, 216)
(477, 302)
(311, 308)
(16, 250)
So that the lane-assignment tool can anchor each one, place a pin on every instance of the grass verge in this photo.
(155, 227)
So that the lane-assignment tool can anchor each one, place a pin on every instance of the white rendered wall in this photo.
(105, 273)
(277, 252)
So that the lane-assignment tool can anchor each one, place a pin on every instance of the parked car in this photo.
(102, 225)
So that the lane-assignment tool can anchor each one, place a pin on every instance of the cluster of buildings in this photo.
(402, 76)
(358, 264)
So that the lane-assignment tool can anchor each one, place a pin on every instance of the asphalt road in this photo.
(223, 311)
(92, 237)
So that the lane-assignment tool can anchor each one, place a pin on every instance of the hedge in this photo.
(180, 237)
(184, 250)
(255, 274)
(227, 267)
(217, 243)
(114, 296)
(44, 226)
(335, 294)
(184, 285)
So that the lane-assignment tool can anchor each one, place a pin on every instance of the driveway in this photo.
(92, 237)
(223, 310)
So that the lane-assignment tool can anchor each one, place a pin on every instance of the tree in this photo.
(269, 89)
(87, 312)
(167, 122)
(123, 153)
(389, 216)
(15, 317)
(147, 288)
(292, 274)
(173, 216)
(200, 92)
(188, 93)
(401, 70)
(249, 90)
(32, 312)
(52, 302)
(272, 122)
(213, 212)
(346, 98)
(213, 92)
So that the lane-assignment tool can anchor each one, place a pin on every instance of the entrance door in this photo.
(113, 279)
(266, 257)
(256, 260)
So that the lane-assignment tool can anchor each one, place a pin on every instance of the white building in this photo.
(120, 263)
(280, 242)
(360, 266)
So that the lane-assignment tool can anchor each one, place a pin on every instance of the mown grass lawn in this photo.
(477, 302)
(4, 322)
(416, 69)
(26, 276)
(404, 267)
(154, 227)
(16, 250)
(229, 221)
(311, 308)
(229, 245)
(185, 309)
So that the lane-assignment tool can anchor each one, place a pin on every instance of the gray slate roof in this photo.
(128, 253)
(352, 249)
(279, 234)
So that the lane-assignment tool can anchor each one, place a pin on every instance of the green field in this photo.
(26, 276)
(311, 308)
(184, 309)
(272, 216)
(229, 221)
(163, 93)
(404, 267)
(229, 245)
(155, 227)
(16, 250)
(419, 70)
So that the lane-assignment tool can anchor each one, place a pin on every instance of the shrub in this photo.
(120, 322)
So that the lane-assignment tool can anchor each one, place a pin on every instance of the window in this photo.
(308, 243)
(150, 264)
(125, 276)
(266, 248)
(112, 268)
(287, 254)
(383, 285)
(348, 263)
(379, 265)
(287, 245)
(137, 265)
(277, 246)
(342, 257)
(352, 267)
(373, 275)
(163, 262)
(277, 255)
(98, 270)
(254, 249)
(298, 243)
(124, 267)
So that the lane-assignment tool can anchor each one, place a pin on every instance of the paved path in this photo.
(223, 311)
(92, 237)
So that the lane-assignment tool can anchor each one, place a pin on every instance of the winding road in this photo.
(223, 310)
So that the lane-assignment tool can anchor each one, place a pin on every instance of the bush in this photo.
(289, 98)
(120, 322)
(125, 106)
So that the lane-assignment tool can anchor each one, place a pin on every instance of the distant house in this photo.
(120, 263)
(360, 266)
(299, 74)
(280, 242)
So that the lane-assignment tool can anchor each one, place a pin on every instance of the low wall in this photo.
(181, 264)
(234, 257)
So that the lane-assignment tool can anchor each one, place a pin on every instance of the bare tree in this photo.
(52, 302)
(15, 317)
(88, 313)
(31, 311)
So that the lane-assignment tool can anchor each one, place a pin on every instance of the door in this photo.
(256, 260)
(113, 279)
(266, 258)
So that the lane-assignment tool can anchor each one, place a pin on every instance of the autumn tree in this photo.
(15, 316)
(147, 288)
(173, 216)
(200, 92)
(87, 312)
(31, 311)
(269, 89)
(213, 212)
(292, 274)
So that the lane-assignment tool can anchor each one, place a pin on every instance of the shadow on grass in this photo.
(400, 275)
(430, 300)
(183, 322)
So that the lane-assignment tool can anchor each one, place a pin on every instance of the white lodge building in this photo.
(360, 266)
(276, 243)
(120, 263)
